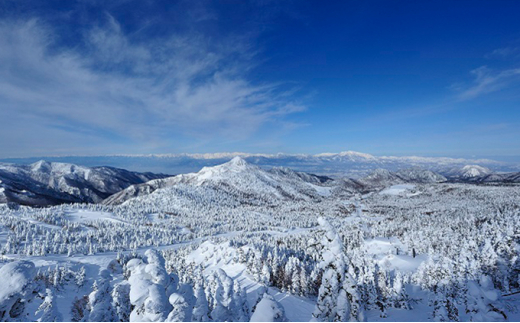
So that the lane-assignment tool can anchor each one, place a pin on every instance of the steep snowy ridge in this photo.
(235, 176)
(44, 183)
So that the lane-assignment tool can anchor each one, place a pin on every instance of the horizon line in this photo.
(219, 155)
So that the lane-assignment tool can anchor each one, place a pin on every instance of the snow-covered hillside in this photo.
(279, 183)
(235, 242)
(468, 172)
(238, 177)
(43, 183)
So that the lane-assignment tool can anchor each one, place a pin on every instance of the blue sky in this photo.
(436, 78)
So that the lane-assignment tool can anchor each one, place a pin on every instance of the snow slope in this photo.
(397, 189)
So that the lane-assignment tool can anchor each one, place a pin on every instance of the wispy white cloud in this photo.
(487, 80)
(117, 88)
(505, 52)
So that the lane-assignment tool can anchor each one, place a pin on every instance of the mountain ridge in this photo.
(48, 183)
(235, 175)
(346, 163)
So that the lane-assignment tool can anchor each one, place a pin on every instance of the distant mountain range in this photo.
(348, 163)
(48, 183)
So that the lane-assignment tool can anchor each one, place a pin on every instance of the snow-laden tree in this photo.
(187, 293)
(338, 288)
(100, 300)
(149, 285)
(400, 296)
(268, 310)
(181, 311)
(121, 301)
(79, 310)
(16, 289)
(201, 309)
(49, 308)
(222, 310)
(483, 303)
(239, 306)
(80, 277)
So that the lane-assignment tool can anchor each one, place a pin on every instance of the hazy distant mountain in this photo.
(348, 163)
(43, 183)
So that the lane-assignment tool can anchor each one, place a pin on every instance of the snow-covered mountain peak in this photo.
(235, 165)
(347, 155)
(41, 166)
(469, 171)
(237, 161)
(239, 178)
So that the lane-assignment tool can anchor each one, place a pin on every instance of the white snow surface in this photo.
(14, 277)
(397, 189)
(393, 254)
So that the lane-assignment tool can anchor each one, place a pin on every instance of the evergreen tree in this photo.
(49, 308)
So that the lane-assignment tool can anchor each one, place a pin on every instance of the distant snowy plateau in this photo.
(238, 237)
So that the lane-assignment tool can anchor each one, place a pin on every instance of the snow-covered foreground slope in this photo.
(43, 183)
(238, 243)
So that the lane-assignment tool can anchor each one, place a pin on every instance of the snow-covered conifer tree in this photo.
(268, 310)
(100, 300)
(49, 308)
(334, 301)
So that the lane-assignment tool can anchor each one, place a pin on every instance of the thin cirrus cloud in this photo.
(487, 80)
(504, 52)
(112, 89)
